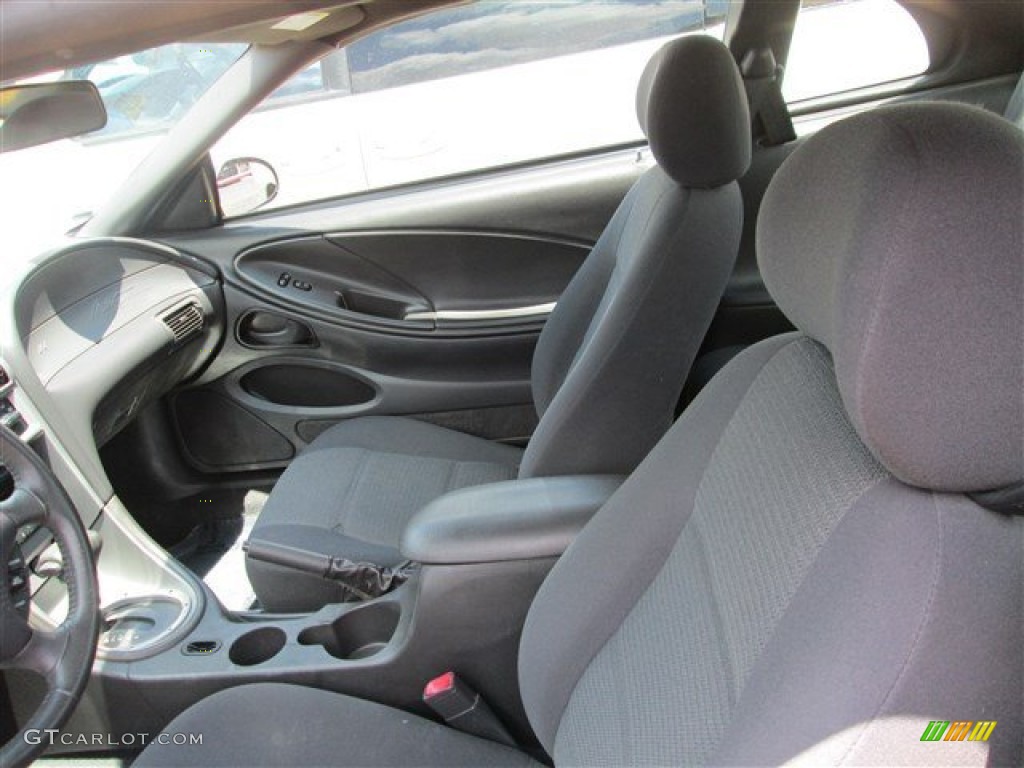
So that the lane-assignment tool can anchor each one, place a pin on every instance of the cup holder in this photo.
(358, 634)
(257, 646)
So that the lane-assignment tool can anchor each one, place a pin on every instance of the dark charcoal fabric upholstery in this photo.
(365, 478)
(902, 254)
(609, 365)
(763, 589)
(913, 607)
(613, 357)
(353, 491)
(691, 641)
(593, 600)
(692, 107)
(289, 725)
(774, 610)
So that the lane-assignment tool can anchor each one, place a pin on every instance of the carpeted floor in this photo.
(213, 548)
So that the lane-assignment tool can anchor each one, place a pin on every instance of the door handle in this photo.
(483, 315)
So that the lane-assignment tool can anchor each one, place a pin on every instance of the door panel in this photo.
(465, 272)
(416, 281)
(425, 302)
(292, 393)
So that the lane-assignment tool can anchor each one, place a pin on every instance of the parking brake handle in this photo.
(361, 580)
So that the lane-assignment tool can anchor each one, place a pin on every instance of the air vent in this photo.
(184, 322)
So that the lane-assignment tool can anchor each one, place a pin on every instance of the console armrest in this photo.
(514, 520)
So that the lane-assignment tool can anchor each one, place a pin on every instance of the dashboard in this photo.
(100, 329)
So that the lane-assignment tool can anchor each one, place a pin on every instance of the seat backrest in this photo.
(795, 573)
(612, 358)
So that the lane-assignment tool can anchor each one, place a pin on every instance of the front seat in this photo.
(801, 570)
(608, 367)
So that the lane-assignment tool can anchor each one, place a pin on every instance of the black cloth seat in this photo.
(286, 716)
(359, 484)
(608, 367)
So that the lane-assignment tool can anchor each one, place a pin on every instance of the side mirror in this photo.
(245, 184)
(39, 113)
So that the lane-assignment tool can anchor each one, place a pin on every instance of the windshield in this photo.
(52, 188)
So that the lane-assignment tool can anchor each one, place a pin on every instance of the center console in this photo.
(483, 552)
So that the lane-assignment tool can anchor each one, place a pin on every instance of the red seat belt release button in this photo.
(463, 709)
(439, 686)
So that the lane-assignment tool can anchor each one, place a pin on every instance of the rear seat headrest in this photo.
(896, 238)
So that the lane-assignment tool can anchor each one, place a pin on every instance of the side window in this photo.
(489, 35)
(472, 88)
(840, 45)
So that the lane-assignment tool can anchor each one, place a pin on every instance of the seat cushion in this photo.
(352, 491)
(247, 725)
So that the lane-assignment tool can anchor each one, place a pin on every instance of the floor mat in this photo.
(213, 549)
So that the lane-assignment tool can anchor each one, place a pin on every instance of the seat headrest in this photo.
(896, 238)
(692, 108)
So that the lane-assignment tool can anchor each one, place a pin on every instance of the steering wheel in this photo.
(64, 656)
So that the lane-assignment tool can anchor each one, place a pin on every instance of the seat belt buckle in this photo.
(463, 709)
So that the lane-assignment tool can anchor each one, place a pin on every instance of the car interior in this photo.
(705, 448)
